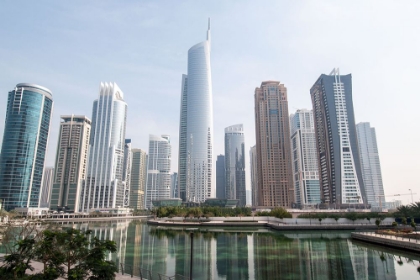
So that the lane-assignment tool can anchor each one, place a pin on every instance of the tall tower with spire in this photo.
(196, 176)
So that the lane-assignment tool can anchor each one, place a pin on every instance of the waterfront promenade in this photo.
(404, 243)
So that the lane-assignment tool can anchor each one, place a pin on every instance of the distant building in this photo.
(274, 165)
(25, 138)
(196, 174)
(158, 184)
(220, 177)
(47, 183)
(70, 163)
(305, 161)
(104, 186)
(235, 163)
(174, 185)
(254, 175)
(371, 166)
(340, 174)
(127, 171)
(138, 178)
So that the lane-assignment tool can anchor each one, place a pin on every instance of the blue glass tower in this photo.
(27, 124)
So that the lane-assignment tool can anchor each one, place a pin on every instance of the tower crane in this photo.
(398, 194)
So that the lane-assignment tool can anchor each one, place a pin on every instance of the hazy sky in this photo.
(72, 46)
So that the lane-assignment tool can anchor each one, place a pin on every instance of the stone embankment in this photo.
(398, 242)
(274, 223)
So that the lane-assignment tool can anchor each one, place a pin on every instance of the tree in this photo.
(82, 256)
(320, 220)
(378, 222)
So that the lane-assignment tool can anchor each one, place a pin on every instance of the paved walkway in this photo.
(399, 242)
(39, 267)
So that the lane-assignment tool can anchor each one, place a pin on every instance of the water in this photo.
(259, 253)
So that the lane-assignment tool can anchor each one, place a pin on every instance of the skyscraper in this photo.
(274, 165)
(254, 175)
(371, 167)
(340, 174)
(47, 183)
(158, 184)
(104, 186)
(220, 177)
(70, 163)
(305, 161)
(196, 182)
(27, 125)
(235, 163)
(127, 172)
(174, 185)
(138, 178)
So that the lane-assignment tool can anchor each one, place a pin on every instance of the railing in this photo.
(145, 274)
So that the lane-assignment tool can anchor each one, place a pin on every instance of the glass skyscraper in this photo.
(341, 181)
(196, 182)
(371, 166)
(104, 186)
(235, 163)
(27, 125)
(220, 177)
(138, 178)
(305, 161)
(158, 184)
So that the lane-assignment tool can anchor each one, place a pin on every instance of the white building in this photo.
(104, 187)
(158, 184)
(304, 159)
(196, 172)
(371, 167)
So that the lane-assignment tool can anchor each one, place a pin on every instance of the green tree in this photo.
(378, 222)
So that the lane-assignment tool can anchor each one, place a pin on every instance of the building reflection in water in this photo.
(259, 254)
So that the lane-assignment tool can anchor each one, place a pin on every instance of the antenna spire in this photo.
(208, 35)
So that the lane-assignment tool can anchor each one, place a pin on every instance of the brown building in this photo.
(274, 164)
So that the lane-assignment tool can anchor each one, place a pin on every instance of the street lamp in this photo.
(411, 191)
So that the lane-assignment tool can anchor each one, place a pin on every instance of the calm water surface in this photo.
(259, 253)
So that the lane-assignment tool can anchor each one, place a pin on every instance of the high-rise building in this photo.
(235, 163)
(371, 166)
(196, 182)
(274, 165)
(158, 184)
(104, 186)
(138, 178)
(70, 163)
(341, 181)
(254, 175)
(174, 185)
(220, 177)
(47, 183)
(305, 161)
(27, 125)
(127, 171)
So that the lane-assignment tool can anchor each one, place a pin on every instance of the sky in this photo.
(70, 47)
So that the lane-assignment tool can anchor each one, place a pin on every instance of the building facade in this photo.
(47, 184)
(254, 175)
(274, 165)
(174, 185)
(25, 139)
(70, 163)
(304, 157)
(371, 166)
(138, 178)
(220, 177)
(127, 171)
(341, 181)
(158, 184)
(104, 187)
(196, 182)
(235, 163)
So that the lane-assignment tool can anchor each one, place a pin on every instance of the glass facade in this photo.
(196, 182)
(104, 187)
(27, 124)
(158, 184)
(235, 163)
(138, 178)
